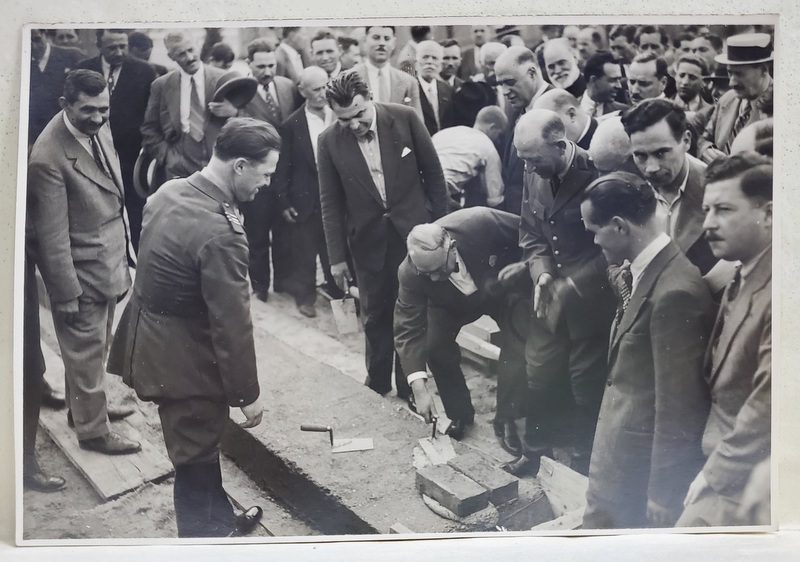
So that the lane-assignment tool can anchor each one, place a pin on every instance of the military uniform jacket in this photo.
(187, 331)
(554, 240)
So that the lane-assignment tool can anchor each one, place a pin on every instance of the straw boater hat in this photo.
(747, 48)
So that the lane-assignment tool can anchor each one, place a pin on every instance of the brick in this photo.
(452, 489)
(501, 485)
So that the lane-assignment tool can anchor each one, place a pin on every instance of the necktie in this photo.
(369, 136)
(621, 280)
(383, 85)
(196, 114)
(741, 121)
(111, 82)
(272, 108)
(730, 295)
(98, 157)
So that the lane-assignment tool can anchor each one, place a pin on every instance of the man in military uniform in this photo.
(186, 341)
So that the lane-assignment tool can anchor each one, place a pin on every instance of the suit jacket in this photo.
(737, 435)
(415, 188)
(647, 443)
(191, 294)
(296, 181)
(487, 241)
(720, 125)
(285, 68)
(444, 93)
(612, 106)
(76, 214)
(128, 105)
(554, 240)
(514, 168)
(48, 86)
(468, 67)
(161, 128)
(404, 87)
(288, 100)
(586, 139)
(689, 225)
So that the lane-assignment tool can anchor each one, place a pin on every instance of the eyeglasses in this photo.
(444, 269)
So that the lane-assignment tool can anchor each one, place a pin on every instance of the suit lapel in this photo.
(354, 163)
(396, 86)
(304, 139)
(210, 84)
(689, 225)
(84, 163)
(172, 91)
(572, 183)
(389, 157)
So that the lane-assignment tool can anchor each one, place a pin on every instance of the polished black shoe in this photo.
(114, 414)
(510, 441)
(41, 482)
(261, 294)
(51, 398)
(248, 519)
(307, 310)
(458, 427)
(111, 444)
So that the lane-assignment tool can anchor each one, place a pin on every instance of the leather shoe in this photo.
(307, 310)
(113, 413)
(51, 398)
(458, 427)
(261, 294)
(510, 441)
(42, 482)
(248, 519)
(523, 466)
(111, 444)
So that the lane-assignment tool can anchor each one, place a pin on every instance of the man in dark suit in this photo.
(140, 46)
(276, 99)
(568, 339)
(738, 204)
(518, 75)
(76, 209)
(436, 96)
(185, 341)
(448, 280)
(748, 59)
(580, 126)
(660, 140)
(379, 177)
(647, 446)
(451, 61)
(472, 63)
(603, 75)
(181, 122)
(49, 67)
(129, 82)
(387, 84)
(297, 188)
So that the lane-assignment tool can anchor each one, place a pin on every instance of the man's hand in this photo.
(223, 108)
(67, 309)
(659, 516)
(542, 294)
(511, 273)
(696, 488)
(253, 412)
(341, 274)
(290, 215)
(425, 406)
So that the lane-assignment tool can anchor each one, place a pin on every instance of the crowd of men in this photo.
(605, 196)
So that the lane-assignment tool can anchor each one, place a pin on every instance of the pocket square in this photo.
(407, 100)
(406, 152)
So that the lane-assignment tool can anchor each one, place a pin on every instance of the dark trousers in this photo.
(193, 430)
(33, 366)
(566, 378)
(378, 295)
(512, 384)
(308, 242)
(133, 203)
(267, 230)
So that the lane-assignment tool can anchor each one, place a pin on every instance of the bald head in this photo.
(540, 140)
(491, 121)
(311, 75)
(611, 146)
(312, 84)
(559, 61)
(490, 52)
(428, 250)
(568, 108)
(517, 74)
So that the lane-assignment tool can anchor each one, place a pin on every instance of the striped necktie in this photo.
(621, 280)
(196, 114)
(738, 125)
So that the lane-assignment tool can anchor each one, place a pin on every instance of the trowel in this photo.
(344, 311)
(438, 448)
(345, 445)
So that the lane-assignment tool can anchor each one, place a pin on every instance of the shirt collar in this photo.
(337, 70)
(586, 128)
(747, 269)
(374, 69)
(538, 93)
(640, 262)
(570, 158)
(198, 76)
(328, 114)
(75, 132)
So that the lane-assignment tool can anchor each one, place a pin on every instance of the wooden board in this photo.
(110, 475)
(485, 328)
(477, 346)
(567, 522)
(565, 488)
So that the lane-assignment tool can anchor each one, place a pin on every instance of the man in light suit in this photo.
(181, 122)
(379, 177)
(647, 446)
(448, 280)
(276, 99)
(738, 205)
(76, 209)
(436, 96)
(749, 100)
(129, 82)
(387, 84)
(660, 140)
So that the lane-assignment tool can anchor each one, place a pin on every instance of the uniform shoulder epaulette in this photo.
(233, 218)
(584, 162)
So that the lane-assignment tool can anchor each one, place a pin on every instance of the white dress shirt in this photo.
(668, 212)
(107, 69)
(371, 150)
(45, 57)
(640, 262)
(316, 125)
(186, 93)
(432, 93)
(464, 153)
(372, 78)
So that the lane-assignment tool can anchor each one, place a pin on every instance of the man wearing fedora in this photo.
(747, 57)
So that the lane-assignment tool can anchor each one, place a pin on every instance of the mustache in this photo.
(711, 237)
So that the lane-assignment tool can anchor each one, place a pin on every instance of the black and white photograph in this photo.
(368, 279)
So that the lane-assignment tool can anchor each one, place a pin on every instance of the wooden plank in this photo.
(567, 522)
(565, 488)
(477, 346)
(400, 529)
(110, 475)
(485, 328)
